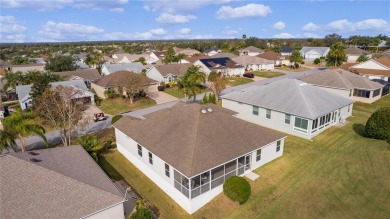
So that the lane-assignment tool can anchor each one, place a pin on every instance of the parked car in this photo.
(249, 75)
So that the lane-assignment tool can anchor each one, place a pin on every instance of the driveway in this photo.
(161, 97)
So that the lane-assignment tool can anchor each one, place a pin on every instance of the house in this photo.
(187, 51)
(223, 55)
(212, 51)
(374, 69)
(157, 56)
(311, 53)
(194, 59)
(346, 84)
(250, 51)
(129, 58)
(27, 67)
(285, 50)
(353, 53)
(254, 63)
(113, 81)
(194, 149)
(85, 96)
(134, 67)
(88, 76)
(61, 182)
(224, 66)
(167, 73)
(289, 106)
(277, 58)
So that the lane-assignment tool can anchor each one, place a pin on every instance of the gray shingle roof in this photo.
(320, 50)
(224, 55)
(88, 74)
(134, 67)
(65, 183)
(247, 60)
(291, 96)
(175, 69)
(193, 142)
(251, 49)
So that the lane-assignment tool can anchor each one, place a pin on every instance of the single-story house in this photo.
(277, 58)
(167, 73)
(254, 63)
(212, 51)
(61, 182)
(129, 58)
(285, 50)
(224, 55)
(187, 51)
(113, 81)
(250, 51)
(353, 53)
(27, 67)
(346, 84)
(88, 75)
(289, 106)
(85, 96)
(157, 56)
(311, 53)
(374, 69)
(134, 67)
(224, 66)
(194, 149)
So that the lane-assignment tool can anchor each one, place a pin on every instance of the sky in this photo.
(103, 20)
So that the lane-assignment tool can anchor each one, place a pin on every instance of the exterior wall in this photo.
(311, 55)
(24, 69)
(235, 71)
(154, 74)
(352, 58)
(261, 67)
(99, 90)
(212, 53)
(105, 70)
(268, 154)
(380, 77)
(115, 212)
(370, 64)
(203, 68)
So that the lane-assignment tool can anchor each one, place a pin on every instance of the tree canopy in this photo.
(336, 55)
(61, 63)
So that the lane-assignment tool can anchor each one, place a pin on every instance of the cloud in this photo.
(117, 10)
(180, 6)
(167, 18)
(279, 25)
(310, 27)
(311, 35)
(340, 25)
(185, 31)
(69, 32)
(156, 35)
(11, 31)
(158, 31)
(369, 24)
(230, 32)
(249, 10)
(283, 36)
(8, 19)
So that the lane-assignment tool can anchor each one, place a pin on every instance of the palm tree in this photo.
(190, 83)
(180, 57)
(20, 124)
(12, 79)
(7, 141)
(91, 145)
(336, 55)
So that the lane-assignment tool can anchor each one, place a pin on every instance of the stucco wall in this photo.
(99, 90)
(115, 212)
(370, 64)
(154, 74)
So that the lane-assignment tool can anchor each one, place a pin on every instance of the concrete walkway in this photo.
(161, 97)
(252, 176)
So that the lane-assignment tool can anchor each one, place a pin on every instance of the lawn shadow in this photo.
(359, 129)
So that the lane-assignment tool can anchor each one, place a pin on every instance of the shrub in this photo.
(110, 93)
(205, 99)
(378, 125)
(160, 88)
(303, 62)
(171, 83)
(212, 98)
(116, 118)
(167, 86)
(237, 189)
(142, 212)
(317, 61)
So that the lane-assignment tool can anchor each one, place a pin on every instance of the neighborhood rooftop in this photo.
(218, 63)
(135, 66)
(88, 74)
(115, 79)
(176, 69)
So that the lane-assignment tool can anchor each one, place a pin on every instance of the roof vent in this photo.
(34, 160)
(209, 110)
(33, 153)
(204, 111)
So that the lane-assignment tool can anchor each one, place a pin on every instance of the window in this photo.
(301, 123)
(350, 92)
(315, 124)
(278, 143)
(255, 110)
(376, 92)
(167, 170)
(150, 158)
(361, 93)
(287, 118)
(268, 113)
(258, 155)
(139, 150)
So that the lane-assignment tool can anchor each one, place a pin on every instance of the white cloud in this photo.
(158, 31)
(8, 19)
(249, 10)
(185, 31)
(310, 27)
(69, 31)
(167, 18)
(279, 25)
(283, 36)
(11, 30)
(311, 35)
(117, 10)
(340, 25)
(180, 6)
(369, 24)
(230, 32)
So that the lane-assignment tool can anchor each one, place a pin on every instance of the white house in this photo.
(224, 66)
(157, 56)
(61, 182)
(250, 51)
(189, 150)
(167, 73)
(212, 51)
(374, 69)
(289, 106)
(354, 53)
(311, 53)
(254, 63)
(134, 67)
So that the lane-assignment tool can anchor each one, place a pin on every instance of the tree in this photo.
(142, 60)
(244, 38)
(18, 60)
(362, 58)
(331, 39)
(296, 57)
(336, 55)
(180, 57)
(378, 125)
(12, 79)
(57, 107)
(20, 124)
(91, 145)
(61, 63)
(7, 141)
(40, 81)
(132, 85)
(237, 189)
(317, 61)
(142, 212)
(190, 83)
(217, 84)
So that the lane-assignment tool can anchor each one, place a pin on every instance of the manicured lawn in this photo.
(267, 74)
(237, 81)
(339, 174)
(119, 105)
(286, 68)
(174, 91)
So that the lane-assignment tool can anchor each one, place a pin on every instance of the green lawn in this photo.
(287, 68)
(119, 105)
(267, 74)
(174, 91)
(339, 174)
(237, 81)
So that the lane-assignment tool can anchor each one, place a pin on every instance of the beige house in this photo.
(250, 51)
(354, 53)
(254, 63)
(167, 73)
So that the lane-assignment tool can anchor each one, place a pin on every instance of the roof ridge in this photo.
(303, 96)
(343, 79)
(194, 141)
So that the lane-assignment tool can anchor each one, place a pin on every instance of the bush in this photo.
(303, 62)
(167, 86)
(237, 189)
(116, 118)
(317, 61)
(110, 94)
(142, 212)
(378, 125)
(160, 88)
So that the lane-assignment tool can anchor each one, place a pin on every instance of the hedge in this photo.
(237, 189)
(378, 125)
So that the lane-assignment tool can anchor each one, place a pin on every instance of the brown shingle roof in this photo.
(176, 69)
(64, 182)
(195, 58)
(384, 61)
(87, 74)
(270, 55)
(356, 51)
(114, 79)
(223, 54)
(193, 142)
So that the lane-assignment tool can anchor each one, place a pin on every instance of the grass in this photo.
(286, 68)
(340, 174)
(119, 105)
(267, 74)
(176, 92)
(236, 81)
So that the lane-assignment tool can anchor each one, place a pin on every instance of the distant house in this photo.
(250, 51)
(85, 96)
(212, 51)
(277, 58)
(346, 84)
(374, 69)
(311, 53)
(354, 53)
(113, 82)
(285, 50)
(157, 56)
(224, 55)
(27, 67)
(194, 59)
(129, 58)
(61, 182)
(224, 66)
(88, 76)
(167, 73)
(208, 146)
(254, 63)
(188, 51)
(134, 67)
(289, 106)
